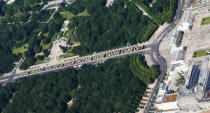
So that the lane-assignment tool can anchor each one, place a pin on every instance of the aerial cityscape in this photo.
(104, 56)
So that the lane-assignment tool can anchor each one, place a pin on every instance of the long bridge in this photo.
(77, 61)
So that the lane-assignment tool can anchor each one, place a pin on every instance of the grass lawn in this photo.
(47, 59)
(200, 53)
(68, 33)
(68, 15)
(84, 13)
(69, 54)
(21, 49)
(62, 56)
(46, 46)
(38, 61)
(205, 21)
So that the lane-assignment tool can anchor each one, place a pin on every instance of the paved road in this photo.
(157, 58)
(9, 78)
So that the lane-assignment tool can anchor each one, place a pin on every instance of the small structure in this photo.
(109, 3)
(177, 54)
(161, 92)
(9, 1)
(169, 104)
(65, 25)
(186, 21)
(176, 38)
(179, 38)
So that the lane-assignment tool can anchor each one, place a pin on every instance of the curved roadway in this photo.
(157, 58)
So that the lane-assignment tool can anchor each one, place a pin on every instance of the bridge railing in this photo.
(83, 60)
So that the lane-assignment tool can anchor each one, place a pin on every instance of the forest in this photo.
(108, 28)
(160, 10)
(24, 30)
(20, 24)
(105, 88)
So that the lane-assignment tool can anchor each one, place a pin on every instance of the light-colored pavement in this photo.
(56, 51)
(198, 37)
(144, 12)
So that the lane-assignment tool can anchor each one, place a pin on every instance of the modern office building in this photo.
(195, 94)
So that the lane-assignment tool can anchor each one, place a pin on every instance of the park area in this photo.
(205, 21)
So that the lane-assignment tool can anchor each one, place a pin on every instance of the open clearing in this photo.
(68, 15)
(47, 59)
(21, 49)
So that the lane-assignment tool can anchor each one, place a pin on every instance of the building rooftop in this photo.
(179, 38)
(177, 55)
(206, 111)
(194, 77)
(168, 98)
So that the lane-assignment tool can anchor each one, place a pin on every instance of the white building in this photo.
(109, 3)
(65, 25)
(9, 1)
(178, 54)
(161, 92)
(182, 69)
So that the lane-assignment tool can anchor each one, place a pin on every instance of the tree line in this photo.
(160, 10)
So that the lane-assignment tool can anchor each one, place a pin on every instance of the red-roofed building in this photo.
(168, 105)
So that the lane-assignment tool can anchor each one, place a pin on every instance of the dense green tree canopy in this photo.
(160, 10)
(24, 22)
(106, 88)
(111, 27)
(20, 23)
